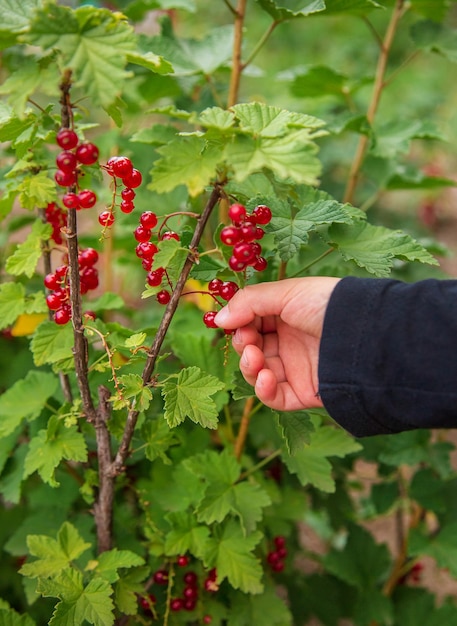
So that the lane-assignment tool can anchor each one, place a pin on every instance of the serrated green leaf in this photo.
(37, 190)
(93, 43)
(11, 126)
(247, 609)
(295, 9)
(94, 605)
(132, 386)
(109, 562)
(259, 119)
(11, 480)
(319, 81)
(296, 428)
(49, 447)
(375, 247)
(441, 546)
(136, 340)
(432, 9)
(25, 258)
(361, 562)
(232, 555)
(9, 617)
(67, 585)
(127, 589)
(189, 397)
(356, 7)
(51, 343)
(107, 302)
(25, 399)
(53, 555)
(15, 16)
(248, 502)
(158, 439)
(186, 535)
(188, 160)
(151, 61)
(395, 138)
(433, 37)
(416, 605)
(215, 117)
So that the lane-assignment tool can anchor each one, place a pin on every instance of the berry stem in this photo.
(244, 427)
(170, 310)
(237, 65)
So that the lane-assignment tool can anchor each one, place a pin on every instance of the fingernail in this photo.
(244, 359)
(222, 317)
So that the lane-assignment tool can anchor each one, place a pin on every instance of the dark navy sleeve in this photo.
(388, 355)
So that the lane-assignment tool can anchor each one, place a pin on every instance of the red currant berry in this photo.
(282, 552)
(260, 264)
(128, 194)
(53, 302)
(161, 577)
(191, 579)
(273, 557)
(122, 167)
(62, 316)
(90, 315)
(127, 206)
(163, 297)
(169, 235)
(208, 319)
(67, 138)
(142, 234)
(244, 252)
(61, 271)
(65, 179)
(146, 250)
(182, 560)
(212, 574)
(89, 278)
(106, 219)
(211, 585)
(66, 161)
(230, 235)
(71, 200)
(237, 213)
(88, 257)
(134, 179)
(87, 153)
(259, 232)
(228, 290)
(190, 593)
(87, 198)
(148, 219)
(154, 278)
(262, 214)
(236, 265)
(214, 286)
(279, 541)
(248, 232)
(147, 264)
(51, 281)
(207, 619)
(278, 566)
(189, 604)
(176, 604)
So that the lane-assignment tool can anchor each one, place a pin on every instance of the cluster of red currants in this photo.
(276, 557)
(225, 290)
(244, 234)
(189, 593)
(121, 167)
(74, 154)
(58, 300)
(57, 217)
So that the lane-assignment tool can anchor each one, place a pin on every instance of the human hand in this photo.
(278, 331)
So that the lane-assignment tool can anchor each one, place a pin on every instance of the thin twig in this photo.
(244, 427)
(237, 65)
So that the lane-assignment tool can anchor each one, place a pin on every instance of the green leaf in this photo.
(417, 180)
(37, 190)
(93, 43)
(132, 386)
(246, 610)
(94, 605)
(150, 61)
(12, 303)
(362, 562)
(232, 555)
(355, 7)
(395, 138)
(9, 617)
(109, 562)
(15, 16)
(259, 119)
(52, 343)
(49, 447)
(432, 9)
(53, 555)
(186, 535)
(158, 439)
(25, 399)
(441, 546)
(375, 247)
(296, 428)
(319, 81)
(25, 258)
(107, 302)
(188, 160)
(215, 117)
(280, 13)
(435, 37)
(418, 606)
(127, 589)
(189, 397)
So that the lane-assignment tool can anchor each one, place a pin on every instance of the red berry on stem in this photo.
(127, 206)
(214, 286)
(262, 214)
(128, 194)
(261, 264)
(53, 302)
(106, 218)
(208, 319)
(87, 153)
(170, 235)
(88, 257)
(230, 235)
(66, 161)
(161, 577)
(134, 180)
(237, 213)
(189, 604)
(67, 138)
(207, 619)
(71, 200)
(146, 250)
(148, 219)
(154, 278)
(176, 604)
(62, 316)
(248, 232)
(244, 252)
(122, 167)
(190, 593)
(65, 179)
(163, 297)
(236, 265)
(279, 541)
(142, 234)
(87, 198)
(182, 560)
(89, 277)
(228, 290)
(51, 281)
(259, 232)
(190, 578)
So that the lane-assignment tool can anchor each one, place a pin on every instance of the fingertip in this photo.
(265, 386)
(222, 317)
